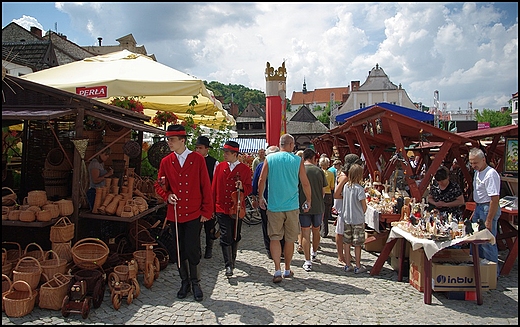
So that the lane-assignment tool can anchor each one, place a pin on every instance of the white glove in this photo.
(172, 198)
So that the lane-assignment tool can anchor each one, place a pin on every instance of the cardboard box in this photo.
(460, 277)
(394, 262)
(415, 276)
(452, 277)
(375, 245)
(397, 248)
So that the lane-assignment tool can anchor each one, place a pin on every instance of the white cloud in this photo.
(466, 51)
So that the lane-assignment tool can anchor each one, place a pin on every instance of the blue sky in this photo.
(466, 51)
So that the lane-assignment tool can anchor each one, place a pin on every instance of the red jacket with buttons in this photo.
(224, 184)
(190, 183)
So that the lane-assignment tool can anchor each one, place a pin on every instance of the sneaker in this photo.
(359, 270)
(307, 266)
(348, 268)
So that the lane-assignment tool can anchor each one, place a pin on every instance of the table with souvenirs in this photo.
(432, 233)
(382, 210)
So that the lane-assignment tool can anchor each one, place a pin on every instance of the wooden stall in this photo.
(384, 136)
(52, 119)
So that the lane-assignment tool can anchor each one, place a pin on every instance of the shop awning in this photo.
(250, 145)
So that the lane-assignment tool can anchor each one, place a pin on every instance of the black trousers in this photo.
(227, 229)
(189, 240)
(208, 226)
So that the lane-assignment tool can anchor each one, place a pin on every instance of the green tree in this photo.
(238, 94)
(494, 118)
(325, 115)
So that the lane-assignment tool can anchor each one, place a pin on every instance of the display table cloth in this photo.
(431, 247)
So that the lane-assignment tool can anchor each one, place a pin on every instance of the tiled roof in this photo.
(301, 127)
(304, 122)
(34, 54)
(319, 95)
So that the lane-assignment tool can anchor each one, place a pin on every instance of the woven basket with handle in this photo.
(19, 300)
(36, 253)
(28, 269)
(90, 253)
(6, 285)
(52, 264)
(54, 291)
(62, 231)
(9, 199)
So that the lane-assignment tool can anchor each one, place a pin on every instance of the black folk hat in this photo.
(203, 140)
(231, 146)
(176, 130)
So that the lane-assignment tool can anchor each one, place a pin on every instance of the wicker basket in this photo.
(12, 255)
(66, 207)
(157, 152)
(27, 269)
(122, 271)
(19, 300)
(140, 258)
(51, 266)
(90, 253)
(63, 249)
(36, 198)
(7, 267)
(62, 231)
(163, 256)
(53, 208)
(140, 236)
(54, 291)
(6, 285)
(37, 253)
(132, 149)
(59, 160)
(9, 199)
(14, 215)
(43, 215)
(5, 212)
(27, 216)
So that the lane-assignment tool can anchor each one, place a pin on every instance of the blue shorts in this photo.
(315, 219)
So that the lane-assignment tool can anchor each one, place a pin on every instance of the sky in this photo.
(467, 51)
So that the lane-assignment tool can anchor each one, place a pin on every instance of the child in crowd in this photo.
(353, 215)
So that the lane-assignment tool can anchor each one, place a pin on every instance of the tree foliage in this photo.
(238, 94)
(494, 118)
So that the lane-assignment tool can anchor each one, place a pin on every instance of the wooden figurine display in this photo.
(406, 209)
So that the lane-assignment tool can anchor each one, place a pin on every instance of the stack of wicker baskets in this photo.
(35, 207)
(61, 235)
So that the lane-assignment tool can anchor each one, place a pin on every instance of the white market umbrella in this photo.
(124, 73)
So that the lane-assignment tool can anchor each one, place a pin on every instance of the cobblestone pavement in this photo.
(326, 295)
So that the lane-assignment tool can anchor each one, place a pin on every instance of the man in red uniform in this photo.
(183, 182)
(231, 176)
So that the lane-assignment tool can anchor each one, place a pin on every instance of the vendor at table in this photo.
(445, 195)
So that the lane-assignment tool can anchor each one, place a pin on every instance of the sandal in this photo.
(277, 279)
(289, 275)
